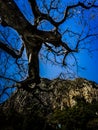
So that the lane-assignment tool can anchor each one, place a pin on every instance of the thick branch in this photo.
(12, 16)
(11, 51)
(40, 16)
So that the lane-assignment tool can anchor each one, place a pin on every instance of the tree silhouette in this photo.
(55, 21)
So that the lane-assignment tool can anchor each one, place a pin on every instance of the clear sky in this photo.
(84, 63)
(84, 23)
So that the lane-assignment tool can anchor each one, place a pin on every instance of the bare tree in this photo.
(63, 18)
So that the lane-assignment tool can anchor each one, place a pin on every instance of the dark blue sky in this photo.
(83, 22)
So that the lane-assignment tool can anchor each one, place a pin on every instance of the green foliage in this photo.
(93, 124)
(83, 116)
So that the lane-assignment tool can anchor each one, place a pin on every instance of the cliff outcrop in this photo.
(46, 98)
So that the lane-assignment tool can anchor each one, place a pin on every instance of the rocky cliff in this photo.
(45, 98)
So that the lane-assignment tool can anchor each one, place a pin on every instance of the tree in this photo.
(48, 32)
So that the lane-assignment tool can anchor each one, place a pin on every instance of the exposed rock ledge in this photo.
(51, 95)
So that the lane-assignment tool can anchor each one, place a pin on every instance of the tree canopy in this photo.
(53, 31)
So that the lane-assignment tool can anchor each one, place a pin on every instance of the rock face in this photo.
(54, 94)
(50, 95)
